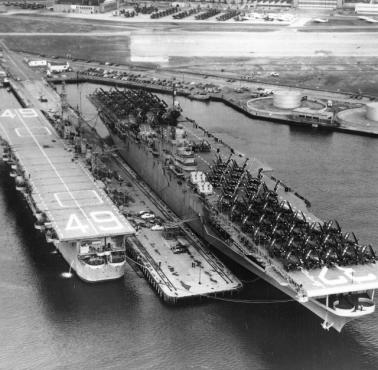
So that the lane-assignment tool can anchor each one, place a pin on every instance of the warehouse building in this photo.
(85, 6)
(363, 8)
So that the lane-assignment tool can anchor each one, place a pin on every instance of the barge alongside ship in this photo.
(251, 218)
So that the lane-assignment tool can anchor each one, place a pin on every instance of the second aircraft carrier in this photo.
(230, 202)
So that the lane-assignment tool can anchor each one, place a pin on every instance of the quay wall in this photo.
(240, 107)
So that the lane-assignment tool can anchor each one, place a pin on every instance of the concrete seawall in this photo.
(241, 108)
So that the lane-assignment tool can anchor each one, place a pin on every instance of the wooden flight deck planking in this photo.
(63, 189)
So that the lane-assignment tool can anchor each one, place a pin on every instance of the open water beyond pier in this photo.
(48, 322)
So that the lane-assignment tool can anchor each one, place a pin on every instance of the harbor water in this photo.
(49, 321)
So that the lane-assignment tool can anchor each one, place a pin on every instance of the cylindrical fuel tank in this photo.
(287, 99)
(372, 111)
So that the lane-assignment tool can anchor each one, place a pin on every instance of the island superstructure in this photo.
(251, 217)
(73, 212)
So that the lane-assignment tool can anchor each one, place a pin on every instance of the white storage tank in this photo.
(372, 111)
(287, 99)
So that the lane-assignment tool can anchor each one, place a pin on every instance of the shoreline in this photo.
(215, 98)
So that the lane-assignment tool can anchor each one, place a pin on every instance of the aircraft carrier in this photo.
(79, 205)
(69, 208)
(79, 209)
(236, 207)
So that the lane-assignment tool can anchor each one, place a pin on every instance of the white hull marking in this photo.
(338, 281)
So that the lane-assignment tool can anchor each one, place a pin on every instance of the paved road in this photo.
(30, 81)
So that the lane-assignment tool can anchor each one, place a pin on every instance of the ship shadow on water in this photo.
(316, 132)
(285, 334)
(35, 248)
(64, 297)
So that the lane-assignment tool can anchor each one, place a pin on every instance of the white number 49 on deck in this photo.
(98, 220)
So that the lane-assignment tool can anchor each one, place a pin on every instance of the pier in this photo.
(175, 262)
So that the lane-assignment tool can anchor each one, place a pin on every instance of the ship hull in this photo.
(69, 252)
(187, 205)
(88, 273)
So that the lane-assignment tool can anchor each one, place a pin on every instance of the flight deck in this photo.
(61, 187)
(316, 282)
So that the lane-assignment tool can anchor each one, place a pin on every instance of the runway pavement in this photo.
(268, 44)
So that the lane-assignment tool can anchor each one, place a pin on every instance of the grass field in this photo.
(113, 49)
(46, 24)
(353, 75)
